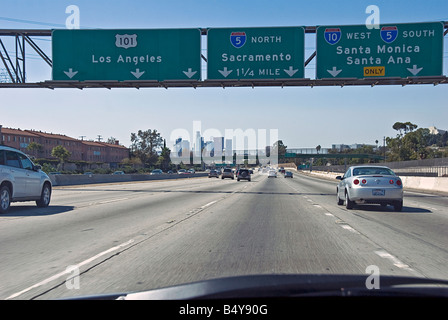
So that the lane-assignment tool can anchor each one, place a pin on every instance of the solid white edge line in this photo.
(58, 275)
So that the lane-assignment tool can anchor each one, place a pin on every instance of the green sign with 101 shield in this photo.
(255, 53)
(392, 50)
(154, 54)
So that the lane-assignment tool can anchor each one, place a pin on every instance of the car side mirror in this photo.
(339, 178)
(37, 167)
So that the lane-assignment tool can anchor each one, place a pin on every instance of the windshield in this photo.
(148, 115)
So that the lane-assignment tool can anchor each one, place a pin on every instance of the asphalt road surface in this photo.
(111, 238)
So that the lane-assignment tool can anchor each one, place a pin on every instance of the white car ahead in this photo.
(272, 174)
(370, 184)
(21, 180)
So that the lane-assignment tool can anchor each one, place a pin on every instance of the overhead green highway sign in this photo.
(142, 54)
(255, 53)
(392, 50)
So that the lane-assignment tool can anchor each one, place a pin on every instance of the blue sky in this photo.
(304, 117)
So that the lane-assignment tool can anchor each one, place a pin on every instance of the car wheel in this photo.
(340, 202)
(5, 199)
(348, 202)
(398, 205)
(237, 179)
(45, 196)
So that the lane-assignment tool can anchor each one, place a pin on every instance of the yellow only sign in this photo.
(374, 71)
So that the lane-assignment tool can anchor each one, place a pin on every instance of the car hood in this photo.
(290, 286)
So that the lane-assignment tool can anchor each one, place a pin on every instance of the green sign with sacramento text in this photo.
(255, 53)
(142, 54)
(392, 50)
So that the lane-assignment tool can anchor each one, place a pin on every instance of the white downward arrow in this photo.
(70, 73)
(415, 70)
(137, 73)
(225, 72)
(334, 72)
(189, 73)
(290, 71)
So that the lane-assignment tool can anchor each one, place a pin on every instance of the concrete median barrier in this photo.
(431, 184)
(79, 179)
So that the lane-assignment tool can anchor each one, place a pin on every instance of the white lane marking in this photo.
(112, 200)
(347, 227)
(58, 275)
(395, 261)
(208, 204)
(329, 214)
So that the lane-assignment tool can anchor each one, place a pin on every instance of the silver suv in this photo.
(21, 180)
(227, 173)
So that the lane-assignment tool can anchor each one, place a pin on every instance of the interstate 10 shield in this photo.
(332, 35)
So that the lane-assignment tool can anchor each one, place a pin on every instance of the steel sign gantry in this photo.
(14, 64)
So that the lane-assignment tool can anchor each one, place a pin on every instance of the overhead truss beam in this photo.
(15, 68)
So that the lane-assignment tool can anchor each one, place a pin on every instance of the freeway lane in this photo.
(417, 235)
(140, 236)
(83, 221)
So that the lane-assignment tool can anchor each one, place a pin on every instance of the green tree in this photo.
(164, 161)
(280, 149)
(412, 145)
(111, 140)
(35, 148)
(404, 126)
(145, 145)
(61, 153)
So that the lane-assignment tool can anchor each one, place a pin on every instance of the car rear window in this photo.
(372, 171)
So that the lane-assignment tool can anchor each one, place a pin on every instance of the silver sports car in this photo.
(370, 184)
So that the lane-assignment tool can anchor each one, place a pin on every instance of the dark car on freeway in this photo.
(243, 174)
(213, 173)
(288, 174)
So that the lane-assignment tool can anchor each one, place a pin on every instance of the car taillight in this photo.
(364, 181)
(356, 181)
(398, 182)
(391, 181)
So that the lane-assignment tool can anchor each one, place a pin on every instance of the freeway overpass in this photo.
(292, 155)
